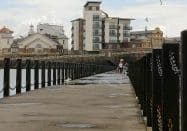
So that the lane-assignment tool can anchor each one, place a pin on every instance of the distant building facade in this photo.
(6, 39)
(97, 30)
(37, 44)
(147, 38)
(172, 40)
(55, 32)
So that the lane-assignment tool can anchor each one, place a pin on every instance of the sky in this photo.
(18, 15)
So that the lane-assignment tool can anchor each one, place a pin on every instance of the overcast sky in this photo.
(19, 14)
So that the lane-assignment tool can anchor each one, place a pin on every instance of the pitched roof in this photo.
(5, 30)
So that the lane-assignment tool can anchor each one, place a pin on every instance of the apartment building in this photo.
(117, 32)
(77, 34)
(96, 30)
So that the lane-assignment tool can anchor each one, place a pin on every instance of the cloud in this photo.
(19, 17)
(19, 14)
(169, 17)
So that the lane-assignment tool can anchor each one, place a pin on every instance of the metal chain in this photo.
(12, 89)
(23, 87)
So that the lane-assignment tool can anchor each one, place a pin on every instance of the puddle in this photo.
(115, 106)
(78, 125)
(118, 94)
(20, 104)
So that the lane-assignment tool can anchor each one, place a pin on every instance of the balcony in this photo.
(97, 33)
(127, 27)
(125, 34)
(97, 18)
(113, 34)
(113, 27)
(98, 26)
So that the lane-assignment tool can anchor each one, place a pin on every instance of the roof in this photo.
(141, 32)
(146, 31)
(95, 2)
(122, 18)
(78, 19)
(5, 30)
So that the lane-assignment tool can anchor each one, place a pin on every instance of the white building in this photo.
(54, 32)
(97, 31)
(6, 39)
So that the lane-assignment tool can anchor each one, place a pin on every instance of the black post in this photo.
(49, 74)
(157, 92)
(43, 74)
(171, 87)
(36, 74)
(184, 80)
(148, 81)
(28, 75)
(70, 70)
(6, 77)
(66, 70)
(58, 73)
(73, 71)
(62, 66)
(18, 76)
(54, 73)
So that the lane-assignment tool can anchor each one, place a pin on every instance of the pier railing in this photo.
(18, 76)
(160, 83)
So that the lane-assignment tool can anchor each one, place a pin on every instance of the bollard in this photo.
(157, 92)
(6, 77)
(171, 87)
(43, 74)
(18, 76)
(36, 74)
(28, 75)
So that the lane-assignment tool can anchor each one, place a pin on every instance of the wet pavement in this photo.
(104, 102)
(106, 78)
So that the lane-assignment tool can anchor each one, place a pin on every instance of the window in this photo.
(96, 24)
(90, 8)
(97, 8)
(95, 46)
(96, 18)
(96, 32)
(96, 40)
(112, 33)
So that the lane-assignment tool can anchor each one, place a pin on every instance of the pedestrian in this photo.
(120, 66)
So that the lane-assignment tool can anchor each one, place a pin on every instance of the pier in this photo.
(103, 102)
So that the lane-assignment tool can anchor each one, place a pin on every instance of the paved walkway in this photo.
(109, 105)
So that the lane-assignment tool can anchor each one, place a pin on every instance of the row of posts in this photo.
(160, 83)
(51, 73)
